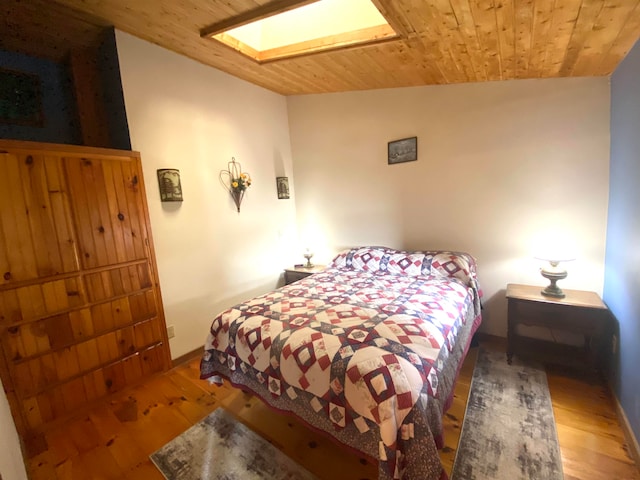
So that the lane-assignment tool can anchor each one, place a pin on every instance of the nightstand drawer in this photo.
(298, 273)
(531, 313)
(290, 277)
(572, 319)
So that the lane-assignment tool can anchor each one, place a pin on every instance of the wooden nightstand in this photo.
(580, 312)
(294, 274)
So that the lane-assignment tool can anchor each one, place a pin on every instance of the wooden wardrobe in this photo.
(80, 309)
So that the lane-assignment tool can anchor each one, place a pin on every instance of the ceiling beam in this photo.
(258, 13)
(395, 16)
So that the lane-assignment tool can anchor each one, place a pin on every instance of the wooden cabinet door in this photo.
(108, 210)
(36, 234)
(80, 307)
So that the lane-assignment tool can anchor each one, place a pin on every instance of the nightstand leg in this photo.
(510, 330)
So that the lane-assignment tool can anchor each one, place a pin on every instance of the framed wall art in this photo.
(169, 183)
(404, 150)
(20, 99)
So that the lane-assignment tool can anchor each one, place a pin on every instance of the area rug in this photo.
(509, 430)
(221, 448)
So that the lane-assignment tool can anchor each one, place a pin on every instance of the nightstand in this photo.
(579, 312)
(294, 274)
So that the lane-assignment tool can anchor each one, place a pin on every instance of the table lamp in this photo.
(308, 254)
(553, 272)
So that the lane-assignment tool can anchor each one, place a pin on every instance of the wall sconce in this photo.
(553, 272)
(235, 181)
(282, 184)
(169, 184)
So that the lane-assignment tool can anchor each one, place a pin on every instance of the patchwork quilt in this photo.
(367, 351)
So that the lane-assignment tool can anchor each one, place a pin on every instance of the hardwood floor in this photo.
(114, 439)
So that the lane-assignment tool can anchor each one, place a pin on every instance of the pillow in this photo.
(453, 264)
(407, 263)
(458, 265)
(360, 258)
(367, 259)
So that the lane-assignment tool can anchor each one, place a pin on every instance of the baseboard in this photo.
(632, 441)
(187, 356)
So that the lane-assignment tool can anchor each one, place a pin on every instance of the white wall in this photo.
(500, 165)
(185, 115)
(11, 463)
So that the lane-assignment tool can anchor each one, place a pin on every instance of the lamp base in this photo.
(553, 291)
(308, 257)
(553, 275)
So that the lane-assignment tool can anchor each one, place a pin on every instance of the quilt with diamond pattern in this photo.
(367, 350)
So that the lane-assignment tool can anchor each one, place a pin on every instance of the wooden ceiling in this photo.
(442, 41)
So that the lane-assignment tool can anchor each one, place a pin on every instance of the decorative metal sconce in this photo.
(282, 183)
(169, 184)
(235, 181)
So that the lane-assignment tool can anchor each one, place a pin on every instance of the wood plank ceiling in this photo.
(442, 41)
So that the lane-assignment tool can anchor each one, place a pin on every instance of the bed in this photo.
(367, 351)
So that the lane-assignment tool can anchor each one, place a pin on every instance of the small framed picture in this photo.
(282, 184)
(169, 183)
(20, 99)
(404, 150)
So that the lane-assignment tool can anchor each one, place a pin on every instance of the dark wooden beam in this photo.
(259, 13)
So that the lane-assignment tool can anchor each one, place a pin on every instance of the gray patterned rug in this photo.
(509, 430)
(221, 448)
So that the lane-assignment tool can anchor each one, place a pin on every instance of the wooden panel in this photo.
(132, 176)
(90, 225)
(80, 310)
(60, 331)
(145, 333)
(126, 191)
(81, 323)
(37, 301)
(441, 41)
(118, 281)
(109, 211)
(88, 354)
(143, 306)
(34, 220)
(19, 259)
(27, 28)
(35, 217)
(152, 360)
(597, 44)
(10, 312)
(54, 371)
(89, 96)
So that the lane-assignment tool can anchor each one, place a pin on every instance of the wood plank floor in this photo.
(114, 439)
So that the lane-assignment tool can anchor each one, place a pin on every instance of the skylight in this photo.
(314, 27)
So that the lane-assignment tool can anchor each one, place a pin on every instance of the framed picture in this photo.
(282, 184)
(20, 99)
(404, 150)
(169, 183)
